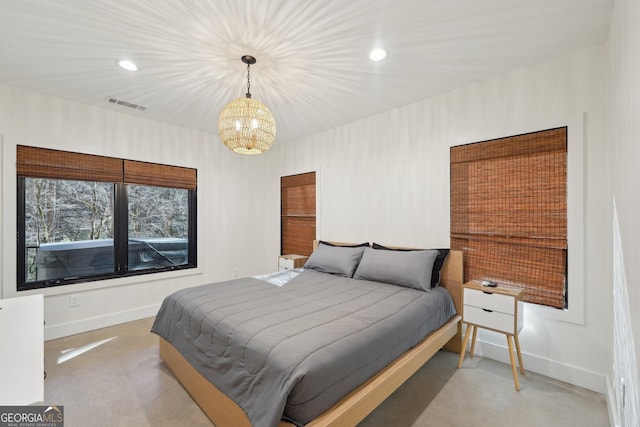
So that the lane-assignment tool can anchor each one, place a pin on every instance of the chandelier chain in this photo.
(248, 81)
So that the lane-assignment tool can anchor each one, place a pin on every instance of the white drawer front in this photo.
(489, 319)
(285, 263)
(495, 302)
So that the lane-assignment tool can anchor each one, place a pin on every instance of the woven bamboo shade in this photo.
(509, 212)
(159, 175)
(37, 162)
(298, 213)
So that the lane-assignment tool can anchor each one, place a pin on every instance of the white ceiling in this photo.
(313, 69)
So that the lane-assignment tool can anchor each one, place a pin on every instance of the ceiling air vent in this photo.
(125, 103)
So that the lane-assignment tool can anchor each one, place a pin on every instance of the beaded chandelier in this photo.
(246, 126)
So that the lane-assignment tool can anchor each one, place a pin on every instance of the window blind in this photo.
(37, 162)
(46, 163)
(159, 175)
(298, 213)
(509, 212)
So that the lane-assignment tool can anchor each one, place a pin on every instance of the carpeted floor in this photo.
(114, 377)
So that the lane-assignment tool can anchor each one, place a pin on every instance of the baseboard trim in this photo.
(52, 332)
(547, 367)
(612, 407)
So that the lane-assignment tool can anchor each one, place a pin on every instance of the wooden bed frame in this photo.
(354, 407)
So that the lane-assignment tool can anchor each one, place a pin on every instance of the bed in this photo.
(291, 354)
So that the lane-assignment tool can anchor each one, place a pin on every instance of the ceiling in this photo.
(312, 65)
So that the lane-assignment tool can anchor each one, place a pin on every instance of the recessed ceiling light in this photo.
(378, 54)
(127, 65)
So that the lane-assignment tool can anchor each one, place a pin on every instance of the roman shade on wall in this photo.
(37, 162)
(159, 175)
(298, 213)
(509, 212)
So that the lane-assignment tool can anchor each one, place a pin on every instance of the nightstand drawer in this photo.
(490, 319)
(491, 301)
(286, 263)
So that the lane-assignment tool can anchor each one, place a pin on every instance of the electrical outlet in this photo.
(73, 301)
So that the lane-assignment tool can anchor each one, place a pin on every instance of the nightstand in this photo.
(498, 309)
(289, 261)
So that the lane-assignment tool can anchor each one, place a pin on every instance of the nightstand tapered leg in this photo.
(513, 363)
(515, 337)
(473, 341)
(464, 345)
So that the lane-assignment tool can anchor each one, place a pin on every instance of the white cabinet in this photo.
(22, 350)
(495, 308)
(290, 261)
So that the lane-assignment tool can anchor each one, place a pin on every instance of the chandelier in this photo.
(246, 126)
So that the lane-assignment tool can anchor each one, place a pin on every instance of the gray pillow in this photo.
(338, 260)
(410, 269)
(437, 265)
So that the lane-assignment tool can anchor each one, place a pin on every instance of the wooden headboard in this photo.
(451, 277)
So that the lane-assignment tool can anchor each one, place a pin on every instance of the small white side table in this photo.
(498, 309)
(22, 350)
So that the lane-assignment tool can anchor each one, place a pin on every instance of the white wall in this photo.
(624, 80)
(386, 179)
(230, 199)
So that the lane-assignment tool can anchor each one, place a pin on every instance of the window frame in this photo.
(120, 224)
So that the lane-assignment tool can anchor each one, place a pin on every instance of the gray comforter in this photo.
(292, 351)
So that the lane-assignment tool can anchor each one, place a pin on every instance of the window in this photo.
(158, 226)
(509, 212)
(298, 213)
(84, 217)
